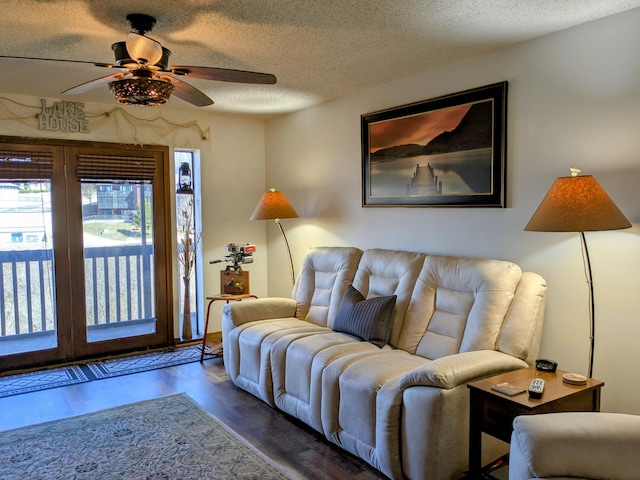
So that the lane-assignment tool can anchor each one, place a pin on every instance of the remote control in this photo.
(536, 387)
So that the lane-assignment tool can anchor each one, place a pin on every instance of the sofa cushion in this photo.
(247, 349)
(522, 328)
(367, 318)
(325, 275)
(362, 408)
(590, 445)
(298, 362)
(458, 305)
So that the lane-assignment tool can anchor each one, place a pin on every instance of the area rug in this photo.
(164, 438)
(69, 375)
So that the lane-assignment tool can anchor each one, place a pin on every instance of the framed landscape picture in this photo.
(449, 151)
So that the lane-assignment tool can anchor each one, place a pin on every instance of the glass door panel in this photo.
(27, 297)
(117, 224)
(119, 287)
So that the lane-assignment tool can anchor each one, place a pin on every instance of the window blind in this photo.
(98, 168)
(21, 165)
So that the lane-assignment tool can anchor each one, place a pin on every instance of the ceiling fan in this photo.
(144, 75)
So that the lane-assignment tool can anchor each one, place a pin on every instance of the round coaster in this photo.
(574, 379)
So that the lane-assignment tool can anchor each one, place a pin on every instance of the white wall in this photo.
(232, 168)
(573, 101)
(233, 178)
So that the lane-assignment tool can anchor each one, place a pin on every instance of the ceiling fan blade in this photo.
(224, 75)
(187, 92)
(143, 50)
(97, 64)
(98, 82)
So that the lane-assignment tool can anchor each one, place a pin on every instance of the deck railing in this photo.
(118, 287)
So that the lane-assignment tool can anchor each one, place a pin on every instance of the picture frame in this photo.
(448, 151)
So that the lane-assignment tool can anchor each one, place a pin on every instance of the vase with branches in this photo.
(187, 251)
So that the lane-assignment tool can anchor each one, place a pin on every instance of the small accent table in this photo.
(215, 349)
(493, 412)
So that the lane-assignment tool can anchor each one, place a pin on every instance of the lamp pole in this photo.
(592, 310)
(293, 274)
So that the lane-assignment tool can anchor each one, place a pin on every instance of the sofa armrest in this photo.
(259, 309)
(453, 370)
(575, 444)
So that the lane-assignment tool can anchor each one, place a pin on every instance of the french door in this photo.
(85, 248)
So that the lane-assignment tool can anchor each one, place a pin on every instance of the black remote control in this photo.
(536, 387)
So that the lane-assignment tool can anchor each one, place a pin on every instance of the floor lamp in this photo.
(273, 206)
(578, 204)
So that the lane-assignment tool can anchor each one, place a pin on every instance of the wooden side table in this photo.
(493, 412)
(215, 349)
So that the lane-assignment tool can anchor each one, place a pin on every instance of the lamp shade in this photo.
(577, 204)
(273, 205)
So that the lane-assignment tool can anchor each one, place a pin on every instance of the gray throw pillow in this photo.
(369, 319)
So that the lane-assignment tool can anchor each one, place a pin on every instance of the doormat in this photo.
(168, 437)
(96, 370)
(41, 380)
(141, 363)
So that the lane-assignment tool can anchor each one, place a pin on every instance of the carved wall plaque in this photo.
(63, 117)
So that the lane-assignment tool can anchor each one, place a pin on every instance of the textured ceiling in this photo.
(318, 49)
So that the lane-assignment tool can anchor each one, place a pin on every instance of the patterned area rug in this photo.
(165, 438)
(58, 377)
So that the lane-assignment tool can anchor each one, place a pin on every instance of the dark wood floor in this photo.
(280, 437)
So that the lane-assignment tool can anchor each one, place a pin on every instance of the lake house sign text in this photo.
(63, 117)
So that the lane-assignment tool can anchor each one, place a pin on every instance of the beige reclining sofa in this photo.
(386, 378)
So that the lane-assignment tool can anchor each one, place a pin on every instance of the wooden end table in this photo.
(215, 350)
(493, 412)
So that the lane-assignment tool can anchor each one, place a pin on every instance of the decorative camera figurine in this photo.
(237, 254)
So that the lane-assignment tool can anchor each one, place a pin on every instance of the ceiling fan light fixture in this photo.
(141, 91)
(123, 59)
(163, 63)
(143, 50)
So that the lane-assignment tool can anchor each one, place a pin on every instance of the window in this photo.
(188, 218)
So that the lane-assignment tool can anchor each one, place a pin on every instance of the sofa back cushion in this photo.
(323, 279)
(383, 273)
(522, 329)
(458, 305)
